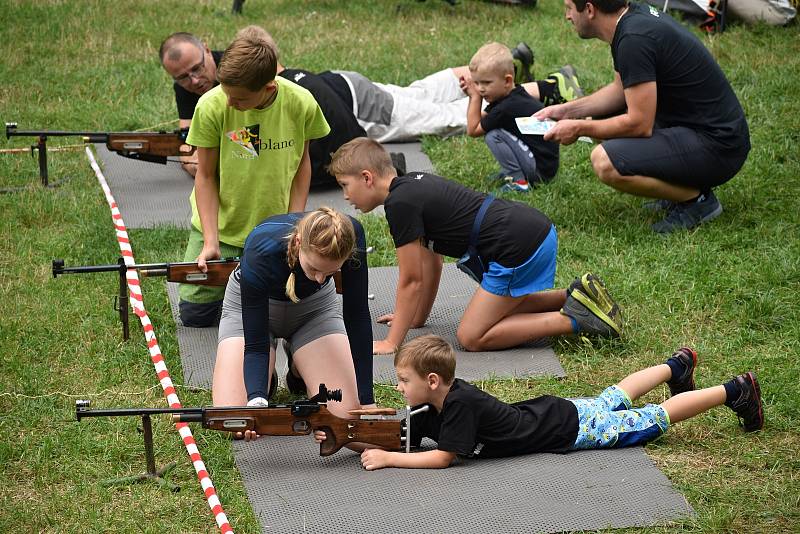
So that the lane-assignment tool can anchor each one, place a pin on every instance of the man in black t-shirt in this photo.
(430, 216)
(467, 422)
(679, 130)
(193, 68)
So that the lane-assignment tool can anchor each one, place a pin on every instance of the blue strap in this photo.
(476, 226)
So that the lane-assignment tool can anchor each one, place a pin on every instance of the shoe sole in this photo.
(591, 305)
(751, 376)
(570, 76)
(594, 287)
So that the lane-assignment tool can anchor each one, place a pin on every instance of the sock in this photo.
(732, 392)
(677, 366)
(547, 90)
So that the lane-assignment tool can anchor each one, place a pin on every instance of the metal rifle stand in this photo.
(41, 146)
(151, 475)
(122, 300)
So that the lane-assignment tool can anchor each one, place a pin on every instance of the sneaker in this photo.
(688, 358)
(659, 204)
(523, 63)
(590, 319)
(566, 87)
(748, 406)
(294, 383)
(495, 178)
(592, 286)
(688, 215)
(398, 162)
(514, 185)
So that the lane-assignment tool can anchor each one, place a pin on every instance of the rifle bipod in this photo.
(152, 474)
(41, 146)
(121, 299)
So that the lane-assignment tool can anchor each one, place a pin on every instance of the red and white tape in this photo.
(137, 303)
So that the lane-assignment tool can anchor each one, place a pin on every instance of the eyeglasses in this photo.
(194, 72)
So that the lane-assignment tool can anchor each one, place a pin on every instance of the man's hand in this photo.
(383, 347)
(555, 112)
(565, 132)
(209, 252)
(372, 459)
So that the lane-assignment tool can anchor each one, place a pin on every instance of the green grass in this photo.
(728, 288)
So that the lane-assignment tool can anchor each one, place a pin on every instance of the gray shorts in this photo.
(299, 323)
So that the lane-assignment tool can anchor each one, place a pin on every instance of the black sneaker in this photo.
(295, 384)
(688, 215)
(659, 204)
(398, 162)
(523, 63)
(685, 382)
(748, 406)
(590, 318)
(591, 285)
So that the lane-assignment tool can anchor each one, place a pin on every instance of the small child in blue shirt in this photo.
(524, 159)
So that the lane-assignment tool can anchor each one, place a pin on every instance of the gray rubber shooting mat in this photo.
(293, 489)
(150, 195)
(455, 292)
(198, 346)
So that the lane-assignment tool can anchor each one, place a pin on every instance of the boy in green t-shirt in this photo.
(251, 133)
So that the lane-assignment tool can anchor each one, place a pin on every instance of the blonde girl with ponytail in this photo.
(284, 289)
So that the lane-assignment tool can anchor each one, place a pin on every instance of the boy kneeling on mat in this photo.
(430, 216)
(465, 421)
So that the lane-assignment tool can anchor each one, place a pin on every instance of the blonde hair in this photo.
(493, 57)
(323, 231)
(428, 354)
(250, 61)
(359, 154)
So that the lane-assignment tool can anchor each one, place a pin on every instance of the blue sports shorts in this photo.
(536, 274)
(608, 422)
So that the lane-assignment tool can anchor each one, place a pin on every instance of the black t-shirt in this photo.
(474, 423)
(343, 123)
(693, 92)
(422, 205)
(502, 114)
(339, 86)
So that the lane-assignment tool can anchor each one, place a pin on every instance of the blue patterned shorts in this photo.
(608, 421)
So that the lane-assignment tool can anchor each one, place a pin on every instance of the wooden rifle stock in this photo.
(300, 419)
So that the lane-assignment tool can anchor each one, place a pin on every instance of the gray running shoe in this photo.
(685, 382)
(592, 286)
(688, 215)
(748, 406)
(590, 319)
(523, 63)
(659, 204)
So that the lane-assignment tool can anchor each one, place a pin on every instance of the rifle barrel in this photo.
(83, 412)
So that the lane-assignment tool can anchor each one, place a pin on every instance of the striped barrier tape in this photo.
(137, 303)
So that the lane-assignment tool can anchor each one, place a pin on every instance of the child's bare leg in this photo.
(327, 360)
(641, 382)
(691, 403)
(542, 301)
(491, 322)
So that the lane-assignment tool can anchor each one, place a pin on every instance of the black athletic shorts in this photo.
(676, 155)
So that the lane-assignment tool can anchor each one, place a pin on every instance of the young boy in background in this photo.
(524, 159)
(465, 421)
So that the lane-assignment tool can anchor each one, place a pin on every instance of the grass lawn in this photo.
(730, 288)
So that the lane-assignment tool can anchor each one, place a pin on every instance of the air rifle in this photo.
(299, 418)
(145, 146)
(181, 272)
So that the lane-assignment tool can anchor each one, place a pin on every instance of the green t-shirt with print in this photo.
(259, 153)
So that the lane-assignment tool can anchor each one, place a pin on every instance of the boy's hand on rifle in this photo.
(372, 459)
(209, 252)
(320, 436)
(250, 435)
